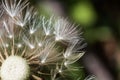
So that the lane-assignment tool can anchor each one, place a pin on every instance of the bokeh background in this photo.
(100, 23)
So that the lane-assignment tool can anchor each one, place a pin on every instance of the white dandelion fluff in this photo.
(15, 68)
(13, 7)
(65, 31)
(47, 25)
(91, 77)
(23, 17)
(31, 46)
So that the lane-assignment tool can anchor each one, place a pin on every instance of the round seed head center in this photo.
(14, 68)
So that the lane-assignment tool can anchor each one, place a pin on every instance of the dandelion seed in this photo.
(31, 46)
(60, 71)
(7, 29)
(34, 25)
(72, 49)
(21, 20)
(28, 43)
(13, 7)
(10, 36)
(65, 63)
(32, 31)
(39, 44)
(58, 38)
(39, 41)
(65, 31)
(19, 45)
(43, 61)
(47, 25)
(91, 77)
(6, 45)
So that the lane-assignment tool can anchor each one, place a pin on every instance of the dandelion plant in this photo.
(33, 47)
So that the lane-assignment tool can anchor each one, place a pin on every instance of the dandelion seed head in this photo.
(14, 68)
(35, 43)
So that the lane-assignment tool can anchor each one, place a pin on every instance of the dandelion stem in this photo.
(1, 57)
(12, 51)
(5, 51)
(43, 73)
(36, 77)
